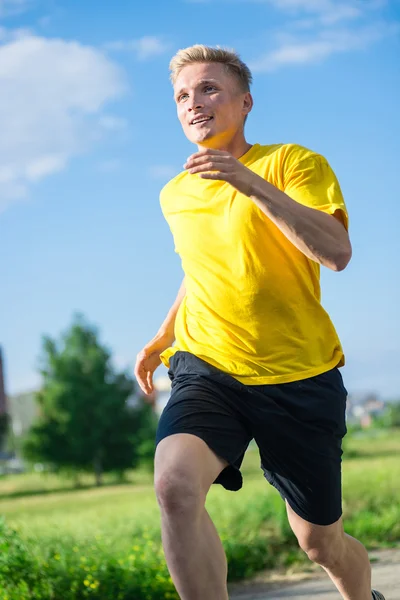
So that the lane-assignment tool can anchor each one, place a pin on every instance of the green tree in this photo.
(4, 428)
(394, 414)
(85, 423)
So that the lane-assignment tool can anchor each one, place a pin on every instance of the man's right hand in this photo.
(148, 360)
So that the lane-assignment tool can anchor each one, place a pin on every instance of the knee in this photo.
(324, 551)
(177, 494)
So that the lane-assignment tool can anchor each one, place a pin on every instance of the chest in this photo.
(215, 220)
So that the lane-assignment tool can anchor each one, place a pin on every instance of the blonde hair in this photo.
(206, 54)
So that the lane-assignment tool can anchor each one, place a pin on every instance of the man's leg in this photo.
(185, 468)
(344, 558)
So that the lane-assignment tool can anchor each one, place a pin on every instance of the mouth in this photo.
(201, 120)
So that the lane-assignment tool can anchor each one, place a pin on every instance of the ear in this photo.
(247, 103)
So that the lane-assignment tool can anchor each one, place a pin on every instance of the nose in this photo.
(194, 104)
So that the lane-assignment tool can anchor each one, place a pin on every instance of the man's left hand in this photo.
(222, 166)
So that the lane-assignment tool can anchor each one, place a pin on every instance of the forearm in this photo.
(168, 326)
(318, 235)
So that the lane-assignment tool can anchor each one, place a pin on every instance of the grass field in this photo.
(105, 542)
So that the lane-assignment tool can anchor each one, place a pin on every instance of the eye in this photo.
(209, 88)
(182, 97)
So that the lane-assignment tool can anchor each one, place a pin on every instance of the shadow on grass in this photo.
(65, 490)
(350, 454)
(250, 472)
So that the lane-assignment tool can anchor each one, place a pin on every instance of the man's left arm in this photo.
(321, 236)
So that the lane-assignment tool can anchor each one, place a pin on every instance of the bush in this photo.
(72, 573)
(21, 577)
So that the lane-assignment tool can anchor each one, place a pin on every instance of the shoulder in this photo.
(280, 163)
(300, 162)
(172, 185)
(287, 156)
(285, 150)
(293, 154)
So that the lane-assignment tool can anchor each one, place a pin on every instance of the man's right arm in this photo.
(148, 359)
(167, 329)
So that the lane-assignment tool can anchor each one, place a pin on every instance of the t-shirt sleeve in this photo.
(312, 182)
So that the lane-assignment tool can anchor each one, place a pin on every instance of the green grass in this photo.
(29, 484)
(104, 543)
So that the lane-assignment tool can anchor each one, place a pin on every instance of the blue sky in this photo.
(89, 135)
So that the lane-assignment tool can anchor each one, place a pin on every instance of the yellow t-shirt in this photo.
(252, 306)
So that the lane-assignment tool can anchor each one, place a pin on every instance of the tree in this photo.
(394, 414)
(4, 427)
(84, 423)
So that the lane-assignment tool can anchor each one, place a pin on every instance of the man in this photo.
(255, 354)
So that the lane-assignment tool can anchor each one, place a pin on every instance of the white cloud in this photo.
(328, 42)
(143, 48)
(318, 32)
(342, 12)
(163, 171)
(328, 12)
(45, 165)
(52, 100)
(109, 166)
(111, 123)
(323, 12)
(13, 7)
(10, 35)
(310, 6)
(44, 21)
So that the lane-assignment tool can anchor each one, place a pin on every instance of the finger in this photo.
(150, 381)
(210, 152)
(209, 167)
(139, 367)
(140, 375)
(205, 158)
(143, 385)
(218, 175)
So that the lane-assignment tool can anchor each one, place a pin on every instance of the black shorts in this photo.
(298, 428)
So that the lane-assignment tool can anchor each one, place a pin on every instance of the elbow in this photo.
(342, 259)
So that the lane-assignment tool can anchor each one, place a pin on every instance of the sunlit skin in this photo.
(207, 90)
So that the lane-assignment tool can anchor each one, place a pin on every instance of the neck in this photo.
(237, 146)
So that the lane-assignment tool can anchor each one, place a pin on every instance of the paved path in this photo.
(385, 577)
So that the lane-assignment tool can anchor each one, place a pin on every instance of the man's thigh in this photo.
(201, 406)
(300, 439)
(185, 462)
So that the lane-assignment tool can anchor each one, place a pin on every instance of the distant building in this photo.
(158, 399)
(163, 390)
(23, 412)
(363, 408)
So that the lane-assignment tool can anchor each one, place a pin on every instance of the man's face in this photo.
(210, 104)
